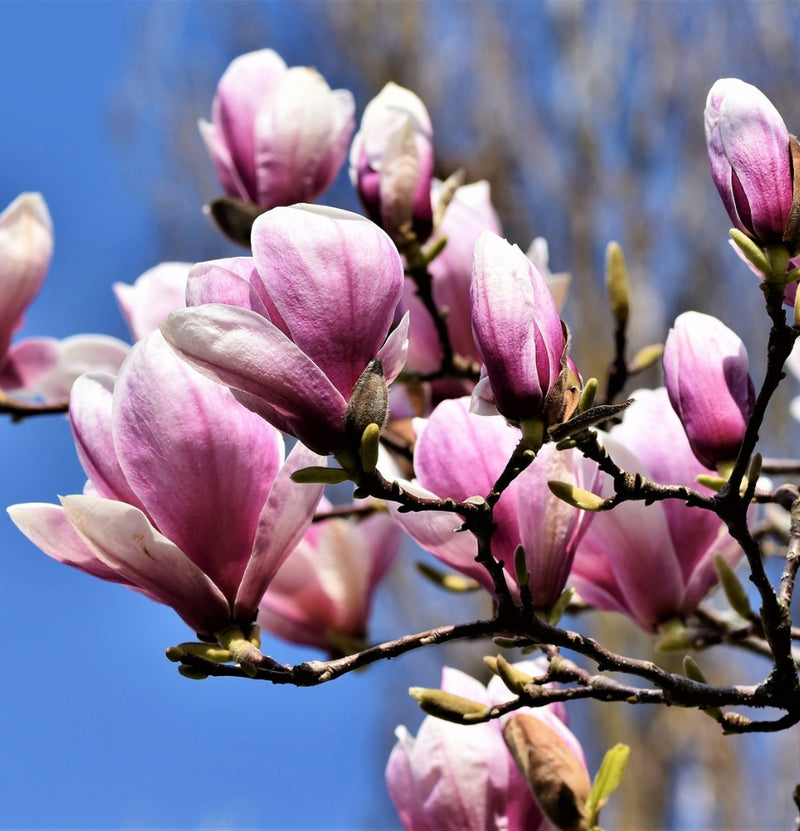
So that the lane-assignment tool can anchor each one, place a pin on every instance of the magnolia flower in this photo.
(469, 214)
(459, 455)
(278, 136)
(706, 374)
(517, 330)
(296, 327)
(456, 778)
(748, 146)
(391, 164)
(41, 368)
(322, 595)
(146, 304)
(187, 500)
(651, 562)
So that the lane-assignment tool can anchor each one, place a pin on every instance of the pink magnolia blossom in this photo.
(469, 214)
(293, 329)
(42, 368)
(146, 304)
(391, 163)
(706, 374)
(651, 562)
(517, 330)
(459, 455)
(748, 147)
(456, 778)
(277, 135)
(187, 500)
(322, 594)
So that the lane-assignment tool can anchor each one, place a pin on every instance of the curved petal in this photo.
(48, 528)
(394, 351)
(90, 416)
(147, 303)
(336, 279)
(241, 349)
(123, 538)
(201, 464)
(27, 363)
(26, 246)
(284, 519)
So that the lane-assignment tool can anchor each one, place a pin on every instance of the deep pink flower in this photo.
(517, 330)
(456, 778)
(322, 594)
(651, 562)
(187, 499)
(391, 163)
(293, 328)
(748, 146)
(278, 136)
(459, 455)
(706, 374)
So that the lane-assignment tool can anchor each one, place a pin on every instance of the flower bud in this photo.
(748, 147)
(391, 164)
(710, 389)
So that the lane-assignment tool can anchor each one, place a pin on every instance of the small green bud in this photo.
(646, 357)
(751, 251)
(450, 582)
(449, 706)
(521, 571)
(560, 606)
(617, 284)
(175, 654)
(575, 496)
(207, 651)
(320, 476)
(434, 249)
(370, 445)
(674, 637)
(708, 480)
(515, 679)
(734, 591)
(588, 395)
(191, 672)
(693, 672)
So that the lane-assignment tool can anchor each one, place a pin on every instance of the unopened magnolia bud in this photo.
(560, 606)
(368, 404)
(692, 671)
(557, 778)
(588, 395)
(521, 572)
(617, 284)
(449, 706)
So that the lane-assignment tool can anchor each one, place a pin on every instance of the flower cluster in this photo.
(421, 327)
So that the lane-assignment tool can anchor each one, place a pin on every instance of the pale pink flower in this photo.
(147, 303)
(452, 777)
(652, 562)
(188, 499)
(322, 595)
(293, 329)
(277, 136)
(391, 163)
(748, 147)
